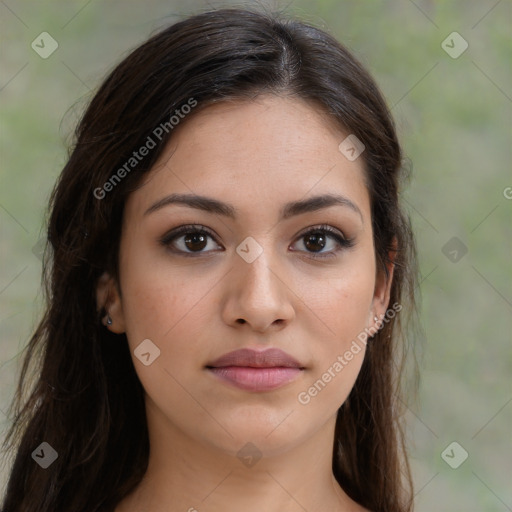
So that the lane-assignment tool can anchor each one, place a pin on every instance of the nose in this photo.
(257, 295)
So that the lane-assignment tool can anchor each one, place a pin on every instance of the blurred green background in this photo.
(454, 116)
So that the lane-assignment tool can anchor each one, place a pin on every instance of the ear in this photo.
(109, 298)
(383, 283)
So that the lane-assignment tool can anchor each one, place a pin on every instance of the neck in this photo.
(185, 475)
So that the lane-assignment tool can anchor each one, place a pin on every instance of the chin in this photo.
(267, 435)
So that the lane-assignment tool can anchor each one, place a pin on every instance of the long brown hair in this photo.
(78, 389)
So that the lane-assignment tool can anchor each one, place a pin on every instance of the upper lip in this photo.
(269, 358)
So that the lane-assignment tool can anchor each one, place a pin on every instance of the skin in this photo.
(255, 155)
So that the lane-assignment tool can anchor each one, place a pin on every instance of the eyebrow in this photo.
(210, 205)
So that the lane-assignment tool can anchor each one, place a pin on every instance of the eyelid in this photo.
(323, 227)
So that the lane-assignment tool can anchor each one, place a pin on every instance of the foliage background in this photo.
(454, 117)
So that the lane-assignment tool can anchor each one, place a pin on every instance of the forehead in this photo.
(256, 155)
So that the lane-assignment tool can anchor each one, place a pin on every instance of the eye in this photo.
(318, 238)
(189, 240)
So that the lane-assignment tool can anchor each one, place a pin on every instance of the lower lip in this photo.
(256, 379)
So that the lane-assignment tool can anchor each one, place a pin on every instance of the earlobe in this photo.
(109, 299)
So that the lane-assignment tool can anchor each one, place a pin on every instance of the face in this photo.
(260, 265)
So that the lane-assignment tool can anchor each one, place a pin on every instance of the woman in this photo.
(230, 274)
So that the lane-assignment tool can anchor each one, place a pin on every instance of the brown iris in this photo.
(198, 241)
(314, 241)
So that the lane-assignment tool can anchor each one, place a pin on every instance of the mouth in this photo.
(253, 370)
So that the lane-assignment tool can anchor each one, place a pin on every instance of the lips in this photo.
(253, 370)
(270, 358)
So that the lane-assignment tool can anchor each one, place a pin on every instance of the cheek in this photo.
(339, 354)
(173, 309)
(342, 303)
(165, 308)
(342, 308)
(159, 298)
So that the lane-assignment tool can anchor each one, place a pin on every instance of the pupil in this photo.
(194, 239)
(315, 239)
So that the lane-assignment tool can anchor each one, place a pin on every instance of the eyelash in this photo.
(343, 243)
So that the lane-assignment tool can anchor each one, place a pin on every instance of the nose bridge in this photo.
(259, 295)
(259, 277)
